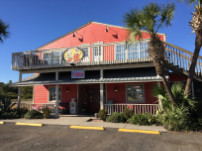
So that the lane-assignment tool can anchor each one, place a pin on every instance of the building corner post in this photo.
(57, 95)
(19, 90)
(101, 91)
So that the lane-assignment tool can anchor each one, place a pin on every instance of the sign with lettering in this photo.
(73, 55)
(77, 74)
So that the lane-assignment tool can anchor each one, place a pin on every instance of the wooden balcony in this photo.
(99, 54)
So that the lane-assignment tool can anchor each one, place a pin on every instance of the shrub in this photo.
(142, 119)
(184, 115)
(22, 112)
(46, 112)
(33, 115)
(128, 113)
(102, 114)
(116, 118)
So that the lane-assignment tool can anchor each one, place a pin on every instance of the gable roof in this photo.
(85, 26)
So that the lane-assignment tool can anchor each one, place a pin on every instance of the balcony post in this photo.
(19, 90)
(159, 100)
(57, 95)
(101, 91)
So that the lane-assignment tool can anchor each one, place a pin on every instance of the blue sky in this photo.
(36, 22)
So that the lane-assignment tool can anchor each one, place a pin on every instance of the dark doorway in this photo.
(89, 98)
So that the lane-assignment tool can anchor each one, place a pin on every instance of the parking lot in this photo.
(49, 137)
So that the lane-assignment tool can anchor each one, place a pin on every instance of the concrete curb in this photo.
(86, 127)
(139, 131)
(28, 124)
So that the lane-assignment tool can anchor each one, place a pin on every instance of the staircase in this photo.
(179, 60)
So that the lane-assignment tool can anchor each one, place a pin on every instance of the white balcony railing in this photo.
(137, 108)
(99, 54)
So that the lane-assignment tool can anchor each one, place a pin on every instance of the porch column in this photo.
(159, 100)
(19, 91)
(101, 91)
(57, 95)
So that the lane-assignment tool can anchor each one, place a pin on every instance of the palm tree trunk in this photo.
(168, 90)
(198, 44)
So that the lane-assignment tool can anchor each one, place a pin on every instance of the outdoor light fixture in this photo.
(107, 29)
(114, 35)
(79, 38)
(67, 90)
(116, 89)
(73, 35)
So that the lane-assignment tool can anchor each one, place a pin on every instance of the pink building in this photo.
(96, 67)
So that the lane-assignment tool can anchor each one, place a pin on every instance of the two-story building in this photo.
(95, 66)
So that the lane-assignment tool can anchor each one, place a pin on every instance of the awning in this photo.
(109, 76)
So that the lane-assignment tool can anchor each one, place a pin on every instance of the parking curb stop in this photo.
(139, 131)
(1, 122)
(86, 127)
(29, 124)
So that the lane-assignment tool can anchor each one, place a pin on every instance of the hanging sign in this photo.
(77, 74)
(73, 55)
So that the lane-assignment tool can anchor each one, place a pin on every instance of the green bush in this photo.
(116, 118)
(143, 119)
(22, 112)
(128, 113)
(102, 114)
(184, 115)
(33, 115)
(46, 112)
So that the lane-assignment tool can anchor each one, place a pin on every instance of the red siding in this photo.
(66, 96)
(120, 96)
(40, 94)
(92, 33)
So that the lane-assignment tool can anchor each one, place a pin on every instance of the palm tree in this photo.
(151, 18)
(3, 30)
(196, 24)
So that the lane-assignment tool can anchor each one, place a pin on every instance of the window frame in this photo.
(53, 101)
(126, 86)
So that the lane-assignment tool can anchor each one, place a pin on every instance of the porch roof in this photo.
(109, 76)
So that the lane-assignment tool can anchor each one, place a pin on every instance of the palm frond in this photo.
(3, 30)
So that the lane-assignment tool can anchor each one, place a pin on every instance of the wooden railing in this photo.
(181, 59)
(110, 53)
(137, 108)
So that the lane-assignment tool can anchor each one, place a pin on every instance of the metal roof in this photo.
(109, 76)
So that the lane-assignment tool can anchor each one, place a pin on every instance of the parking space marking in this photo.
(138, 131)
(86, 127)
(28, 124)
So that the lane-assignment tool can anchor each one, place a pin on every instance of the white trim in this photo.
(115, 66)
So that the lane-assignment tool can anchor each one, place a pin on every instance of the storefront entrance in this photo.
(89, 98)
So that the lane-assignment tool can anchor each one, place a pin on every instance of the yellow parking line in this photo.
(139, 131)
(87, 127)
(1, 122)
(29, 124)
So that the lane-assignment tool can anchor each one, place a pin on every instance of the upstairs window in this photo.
(52, 57)
(135, 51)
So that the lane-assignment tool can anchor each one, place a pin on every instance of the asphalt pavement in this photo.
(62, 138)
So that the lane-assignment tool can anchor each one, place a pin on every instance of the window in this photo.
(120, 52)
(52, 57)
(52, 96)
(134, 94)
(135, 51)
(85, 51)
